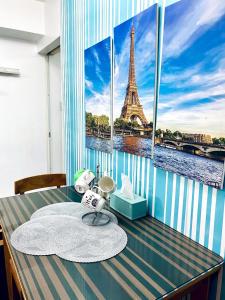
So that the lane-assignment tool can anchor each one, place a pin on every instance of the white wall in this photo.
(52, 24)
(52, 18)
(23, 114)
(23, 15)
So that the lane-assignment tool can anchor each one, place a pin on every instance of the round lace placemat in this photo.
(73, 209)
(69, 238)
(96, 243)
(45, 235)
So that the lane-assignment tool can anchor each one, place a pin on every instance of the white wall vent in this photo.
(9, 71)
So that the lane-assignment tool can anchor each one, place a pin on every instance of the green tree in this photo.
(95, 122)
(177, 134)
(89, 120)
(222, 140)
(123, 124)
(103, 121)
(219, 141)
(133, 124)
(168, 133)
(120, 123)
(216, 141)
(159, 132)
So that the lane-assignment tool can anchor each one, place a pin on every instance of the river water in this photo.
(195, 167)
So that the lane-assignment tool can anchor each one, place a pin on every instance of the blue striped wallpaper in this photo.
(192, 208)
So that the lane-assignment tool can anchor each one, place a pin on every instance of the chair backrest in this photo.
(38, 182)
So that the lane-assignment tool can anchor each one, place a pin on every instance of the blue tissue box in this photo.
(132, 209)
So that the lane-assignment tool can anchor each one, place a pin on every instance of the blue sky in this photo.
(145, 28)
(192, 91)
(97, 78)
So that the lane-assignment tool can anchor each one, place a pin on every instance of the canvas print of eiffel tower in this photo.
(98, 102)
(134, 82)
(190, 131)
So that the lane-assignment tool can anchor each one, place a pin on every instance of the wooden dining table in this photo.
(157, 263)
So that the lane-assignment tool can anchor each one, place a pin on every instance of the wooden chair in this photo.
(39, 182)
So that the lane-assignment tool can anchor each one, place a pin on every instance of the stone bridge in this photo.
(212, 151)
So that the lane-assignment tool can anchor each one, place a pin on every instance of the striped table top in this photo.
(157, 260)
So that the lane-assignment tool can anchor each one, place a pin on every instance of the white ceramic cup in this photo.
(93, 200)
(106, 185)
(81, 186)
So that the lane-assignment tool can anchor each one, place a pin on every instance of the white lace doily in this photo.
(67, 236)
(96, 243)
(45, 235)
(72, 209)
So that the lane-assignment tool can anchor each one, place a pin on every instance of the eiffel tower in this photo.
(132, 108)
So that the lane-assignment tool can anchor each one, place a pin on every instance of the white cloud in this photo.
(181, 36)
(96, 56)
(214, 11)
(121, 63)
(180, 75)
(99, 103)
(194, 76)
(208, 78)
(88, 84)
(146, 55)
(98, 73)
(205, 118)
(180, 98)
